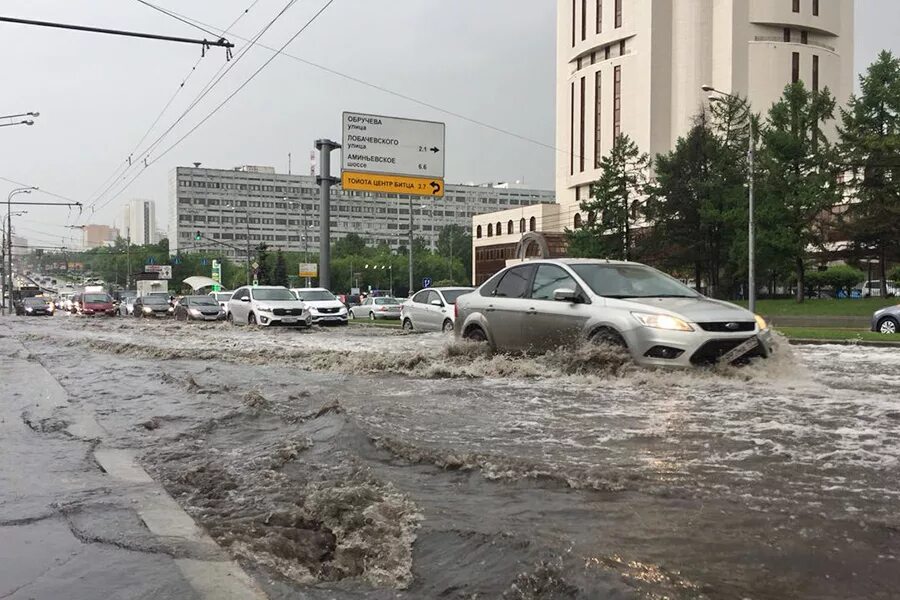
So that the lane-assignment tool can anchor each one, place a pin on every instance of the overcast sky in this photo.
(492, 60)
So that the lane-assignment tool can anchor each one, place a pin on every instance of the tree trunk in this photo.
(697, 270)
(801, 280)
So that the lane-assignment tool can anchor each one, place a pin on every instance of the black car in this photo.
(151, 306)
(34, 307)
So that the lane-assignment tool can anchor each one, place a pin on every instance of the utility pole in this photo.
(410, 246)
(247, 223)
(751, 230)
(325, 180)
(128, 262)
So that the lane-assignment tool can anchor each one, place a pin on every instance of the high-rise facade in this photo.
(96, 236)
(139, 222)
(637, 67)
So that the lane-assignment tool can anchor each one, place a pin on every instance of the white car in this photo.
(222, 298)
(323, 306)
(873, 288)
(267, 305)
(431, 309)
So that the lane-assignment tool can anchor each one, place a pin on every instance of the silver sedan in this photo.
(544, 304)
(376, 309)
(431, 309)
(887, 320)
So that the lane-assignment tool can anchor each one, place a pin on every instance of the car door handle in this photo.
(531, 311)
(490, 308)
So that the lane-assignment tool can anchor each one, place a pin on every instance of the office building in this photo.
(254, 204)
(95, 236)
(637, 67)
(139, 222)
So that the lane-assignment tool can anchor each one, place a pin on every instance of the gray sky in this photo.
(493, 60)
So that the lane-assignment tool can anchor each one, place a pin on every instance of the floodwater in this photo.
(362, 462)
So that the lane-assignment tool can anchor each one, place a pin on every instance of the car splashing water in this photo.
(364, 463)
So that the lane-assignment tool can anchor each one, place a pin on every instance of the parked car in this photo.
(267, 305)
(324, 307)
(150, 305)
(94, 303)
(873, 288)
(544, 304)
(34, 307)
(376, 308)
(887, 320)
(349, 300)
(431, 309)
(222, 299)
(201, 308)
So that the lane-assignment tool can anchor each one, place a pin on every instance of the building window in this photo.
(583, 20)
(522, 225)
(582, 129)
(598, 98)
(622, 48)
(804, 37)
(795, 67)
(599, 16)
(532, 224)
(815, 74)
(478, 232)
(617, 101)
(577, 222)
(509, 227)
(787, 34)
(796, 6)
(572, 130)
(606, 53)
(490, 229)
(815, 8)
(618, 13)
(499, 228)
(573, 23)
(578, 194)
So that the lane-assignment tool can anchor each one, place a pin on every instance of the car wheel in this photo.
(476, 335)
(447, 327)
(888, 326)
(407, 325)
(251, 320)
(609, 337)
(351, 315)
(230, 319)
(371, 316)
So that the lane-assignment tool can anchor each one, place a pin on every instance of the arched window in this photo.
(532, 224)
(478, 232)
(577, 220)
(522, 226)
(499, 228)
(490, 229)
(509, 228)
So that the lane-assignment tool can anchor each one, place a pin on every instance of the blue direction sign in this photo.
(426, 282)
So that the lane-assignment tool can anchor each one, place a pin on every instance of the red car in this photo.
(93, 304)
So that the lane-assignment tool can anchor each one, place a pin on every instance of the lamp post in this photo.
(233, 210)
(751, 231)
(3, 257)
(15, 192)
(28, 122)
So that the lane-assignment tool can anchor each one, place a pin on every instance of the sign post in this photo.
(308, 270)
(217, 275)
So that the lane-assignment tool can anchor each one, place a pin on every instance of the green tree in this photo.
(263, 272)
(870, 144)
(615, 201)
(798, 176)
(454, 244)
(279, 275)
(350, 245)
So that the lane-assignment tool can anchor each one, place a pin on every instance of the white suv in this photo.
(324, 307)
(267, 305)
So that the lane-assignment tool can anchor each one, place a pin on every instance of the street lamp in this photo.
(751, 233)
(15, 192)
(28, 122)
(233, 210)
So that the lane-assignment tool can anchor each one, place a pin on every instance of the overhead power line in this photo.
(176, 17)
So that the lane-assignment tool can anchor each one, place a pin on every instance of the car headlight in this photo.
(264, 308)
(662, 322)
(194, 311)
(147, 309)
(28, 309)
(761, 323)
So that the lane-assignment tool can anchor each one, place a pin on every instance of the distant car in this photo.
(126, 305)
(376, 308)
(94, 303)
(349, 299)
(542, 305)
(151, 305)
(222, 298)
(324, 307)
(267, 305)
(431, 309)
(873, 288)
(200, 308)
(887, 320)
(34, 307)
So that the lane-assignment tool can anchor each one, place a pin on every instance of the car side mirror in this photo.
(437, 303)
(245, 299)
(565, 295)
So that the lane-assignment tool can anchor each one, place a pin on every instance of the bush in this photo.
(894, 274)
(842, 277)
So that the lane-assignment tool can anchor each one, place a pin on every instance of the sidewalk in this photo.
(80, 521)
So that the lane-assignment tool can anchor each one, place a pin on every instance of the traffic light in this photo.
(197, 237)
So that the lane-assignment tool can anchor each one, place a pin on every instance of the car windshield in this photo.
(382, 301)
(631, 281)
(96, 298)
(155, 300)
(452, 295)
(223, 297)
(34, 302)
(273, 294)
(314, 295)
(202, 301)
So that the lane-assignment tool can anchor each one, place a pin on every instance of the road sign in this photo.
(217, 274)
(426, 282)
(309, 270)
(255, 264)
(393, 184)
(162, 271)
(392, 155)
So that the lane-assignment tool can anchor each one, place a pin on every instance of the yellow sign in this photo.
(309, 270)
(393, 184)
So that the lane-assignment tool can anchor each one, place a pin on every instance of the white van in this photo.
(873, 288)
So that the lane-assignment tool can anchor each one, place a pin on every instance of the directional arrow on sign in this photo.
(436, 187)
(435, 149)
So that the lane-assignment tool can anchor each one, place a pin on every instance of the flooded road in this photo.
(367, 463)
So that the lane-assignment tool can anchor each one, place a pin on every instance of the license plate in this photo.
(289, 320)
(738, 351)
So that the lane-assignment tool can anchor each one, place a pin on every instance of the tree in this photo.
(350, 245)
(798, 176)
(614, 206)
(454, 244)
(870, 143)
(279, 275)
(263, 271)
